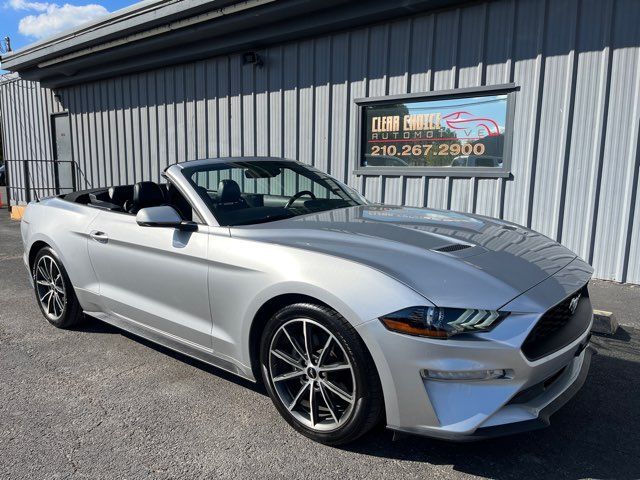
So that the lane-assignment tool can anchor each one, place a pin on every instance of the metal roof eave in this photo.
(119, 24)
(245, 25)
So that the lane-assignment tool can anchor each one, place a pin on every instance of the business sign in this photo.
(443, 133)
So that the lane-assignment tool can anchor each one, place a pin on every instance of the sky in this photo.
(26, 21)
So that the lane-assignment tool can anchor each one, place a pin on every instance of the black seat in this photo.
(229, 195)
(102, 200)
(146, 194)
(120, 194)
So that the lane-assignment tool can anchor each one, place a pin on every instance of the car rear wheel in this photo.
(54, 292)
(319, 374)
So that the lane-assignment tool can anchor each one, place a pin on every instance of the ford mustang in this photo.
(438, 323)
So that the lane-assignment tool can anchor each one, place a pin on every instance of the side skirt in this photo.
(171, 342)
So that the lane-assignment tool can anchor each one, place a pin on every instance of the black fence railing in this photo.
(29, 179)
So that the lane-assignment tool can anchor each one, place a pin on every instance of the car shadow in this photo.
(596, 435)
(93, 325)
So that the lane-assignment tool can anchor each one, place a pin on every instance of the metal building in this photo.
(118, 100)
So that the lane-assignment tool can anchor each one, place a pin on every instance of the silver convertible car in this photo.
(438, 323)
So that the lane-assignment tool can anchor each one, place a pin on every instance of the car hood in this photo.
(452, 259)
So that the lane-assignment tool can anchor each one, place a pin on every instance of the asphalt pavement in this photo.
(99, 403)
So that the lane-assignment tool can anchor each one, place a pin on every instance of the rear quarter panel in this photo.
(64, 226)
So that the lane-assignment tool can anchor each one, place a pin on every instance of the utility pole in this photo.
(6, 48)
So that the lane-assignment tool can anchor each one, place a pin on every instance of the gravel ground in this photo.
(98, 403)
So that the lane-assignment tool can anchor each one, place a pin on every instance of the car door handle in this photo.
(99, 237)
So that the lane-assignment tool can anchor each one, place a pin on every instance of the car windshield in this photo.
(249, 192)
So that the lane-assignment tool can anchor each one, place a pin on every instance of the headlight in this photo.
(439, 322)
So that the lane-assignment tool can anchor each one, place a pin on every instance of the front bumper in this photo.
(468, 410)
(577, 376)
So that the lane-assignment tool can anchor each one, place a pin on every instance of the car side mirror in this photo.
(164, 216)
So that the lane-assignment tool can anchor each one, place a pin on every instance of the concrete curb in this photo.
(604, 322)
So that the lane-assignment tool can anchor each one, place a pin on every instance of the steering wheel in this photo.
(297, 196)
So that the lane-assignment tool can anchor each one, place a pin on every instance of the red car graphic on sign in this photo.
(467, 121)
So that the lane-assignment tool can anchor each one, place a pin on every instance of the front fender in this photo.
(254, 273)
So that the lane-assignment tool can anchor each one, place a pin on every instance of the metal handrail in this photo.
(31, 186)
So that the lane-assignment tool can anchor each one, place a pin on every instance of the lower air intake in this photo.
(454, 247)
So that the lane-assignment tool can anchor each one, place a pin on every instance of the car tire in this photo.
(54, 293)
(346, 401)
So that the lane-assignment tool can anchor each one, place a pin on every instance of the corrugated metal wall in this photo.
(575, 155)
(25, 111)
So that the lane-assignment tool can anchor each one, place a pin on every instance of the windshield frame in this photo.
(315, 176)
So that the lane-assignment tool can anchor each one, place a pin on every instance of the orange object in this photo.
(17, 212)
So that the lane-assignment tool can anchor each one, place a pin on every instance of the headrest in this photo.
(228, 191)
(147, 194)
(121, 193)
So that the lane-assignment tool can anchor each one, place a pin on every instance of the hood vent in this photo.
(454, 247)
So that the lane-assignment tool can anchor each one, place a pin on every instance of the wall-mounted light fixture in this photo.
(252, 58)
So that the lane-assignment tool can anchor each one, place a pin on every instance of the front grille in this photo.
(559, 326)
(552, 321)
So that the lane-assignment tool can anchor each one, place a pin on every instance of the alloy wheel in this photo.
(50, 287)
(312, 374)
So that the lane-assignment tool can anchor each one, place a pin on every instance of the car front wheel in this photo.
(319, 374)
